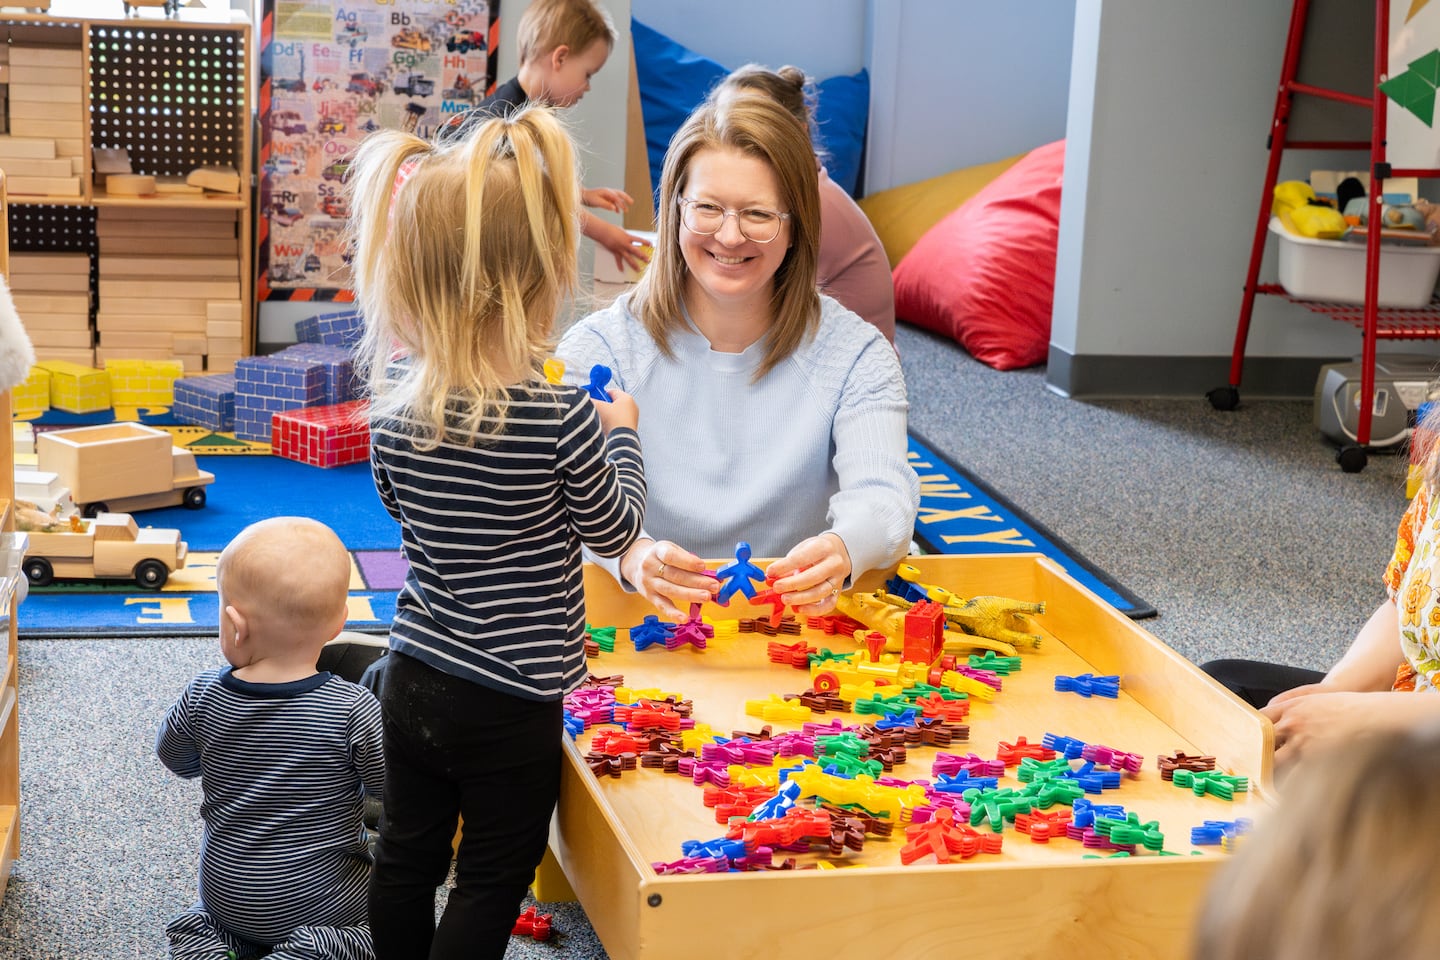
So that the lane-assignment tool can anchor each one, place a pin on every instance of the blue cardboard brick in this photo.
(337, 329)
(207, 401)
(341, 385)
(265, 386)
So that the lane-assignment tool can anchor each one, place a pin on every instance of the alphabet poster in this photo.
(330, 73)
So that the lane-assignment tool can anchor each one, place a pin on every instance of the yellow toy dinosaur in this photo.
(885, 613)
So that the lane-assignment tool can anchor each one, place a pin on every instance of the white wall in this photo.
(1169, 110)
(955, 83)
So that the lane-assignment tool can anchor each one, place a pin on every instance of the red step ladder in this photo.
(1375, 323)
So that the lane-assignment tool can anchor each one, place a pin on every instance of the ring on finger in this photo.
(834, 590)
(661, 571)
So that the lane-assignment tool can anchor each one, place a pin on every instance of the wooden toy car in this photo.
(122, 466)
(110, 545)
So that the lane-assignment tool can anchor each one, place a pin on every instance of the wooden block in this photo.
(56, 321)
(223, 330)
(108, 160)
(158, 306)
(59, 167)
(195, 213)
(190, 343)
(193, 362)
(77, 165)
(168, 246)
(220, 178)
(142, 323)
(187, 229)
(56, 303)
(45, 93)
(48, 128)
(174, 184)
(127, 184)
(103, 354)
(68, 354)
(221, 363)
(37, 55)
(39, 110)
(50, 263)
(45, 338)
(225, 346)
(37, 148)
(136, 339)
(21, 282)
(44, 186)
(48, 75)
(167, 288)
(217, 310)
(70, 147)
(211, 268)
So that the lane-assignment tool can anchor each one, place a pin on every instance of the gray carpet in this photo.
(1238, 527)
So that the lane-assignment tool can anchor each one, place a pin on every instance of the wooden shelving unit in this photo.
(9, 666)
(175, 93)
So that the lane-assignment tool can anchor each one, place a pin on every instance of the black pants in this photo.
(1257, 682)
(455, 748)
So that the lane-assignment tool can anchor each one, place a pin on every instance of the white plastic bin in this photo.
(1334, 270)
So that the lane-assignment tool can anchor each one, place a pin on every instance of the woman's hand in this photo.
(668, 576)
(1315, 715)
(809, 578)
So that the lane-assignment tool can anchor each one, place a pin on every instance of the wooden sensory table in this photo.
(1030, 900)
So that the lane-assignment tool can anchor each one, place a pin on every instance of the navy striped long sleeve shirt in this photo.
(282, 766)
(493, 531)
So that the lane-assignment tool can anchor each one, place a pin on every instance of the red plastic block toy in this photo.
(532, 924)
(322, 436)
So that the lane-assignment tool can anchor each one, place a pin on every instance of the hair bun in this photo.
(793, 75)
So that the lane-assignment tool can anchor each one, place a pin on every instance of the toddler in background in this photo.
(284, 755)
(562, 44)
(464, 251)
(1342, 867)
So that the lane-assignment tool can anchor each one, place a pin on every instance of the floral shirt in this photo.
(1412, 577)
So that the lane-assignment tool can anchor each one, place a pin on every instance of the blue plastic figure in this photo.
(737, 576)
(652, 631)
(599, 379)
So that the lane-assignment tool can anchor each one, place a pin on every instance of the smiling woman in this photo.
(769, 413)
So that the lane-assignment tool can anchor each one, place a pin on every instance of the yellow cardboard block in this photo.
(76, 388)
(33, 396)
(143, 383)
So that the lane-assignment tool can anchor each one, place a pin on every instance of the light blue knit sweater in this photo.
(818, 445)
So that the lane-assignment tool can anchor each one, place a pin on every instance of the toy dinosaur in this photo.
(885, 613)
(998, 618)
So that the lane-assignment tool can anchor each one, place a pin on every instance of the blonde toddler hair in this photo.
(547, 24)
(1343, 868)
(463, 253)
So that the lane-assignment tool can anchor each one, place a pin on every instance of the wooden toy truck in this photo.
(110, 545)
(122, 466)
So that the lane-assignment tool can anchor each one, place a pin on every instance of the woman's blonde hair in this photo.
(460, 265)
(758, 127)
(1343, 868)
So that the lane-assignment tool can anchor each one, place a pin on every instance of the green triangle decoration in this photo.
(215, 440)
(1415, 88)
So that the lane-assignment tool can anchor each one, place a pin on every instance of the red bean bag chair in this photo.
(985, 275)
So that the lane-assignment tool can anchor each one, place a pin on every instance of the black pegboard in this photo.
(173, 98)
(41, 228)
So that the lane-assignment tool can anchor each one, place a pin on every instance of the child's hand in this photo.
(607, 198)
(621, 411)
(629, 251)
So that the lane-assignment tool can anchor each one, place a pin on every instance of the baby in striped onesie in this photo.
(284, 755)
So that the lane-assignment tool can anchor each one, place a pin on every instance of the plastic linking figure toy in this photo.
(599, 379)
(737, 576)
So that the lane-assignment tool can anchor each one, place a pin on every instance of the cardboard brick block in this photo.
(34, 393)
(75, 388)
(206, 401)
(339, 329)
(265, 386)
(328, 436)
(339, 363)
(143, 383)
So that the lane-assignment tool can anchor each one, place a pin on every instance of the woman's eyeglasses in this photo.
(756, 224)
